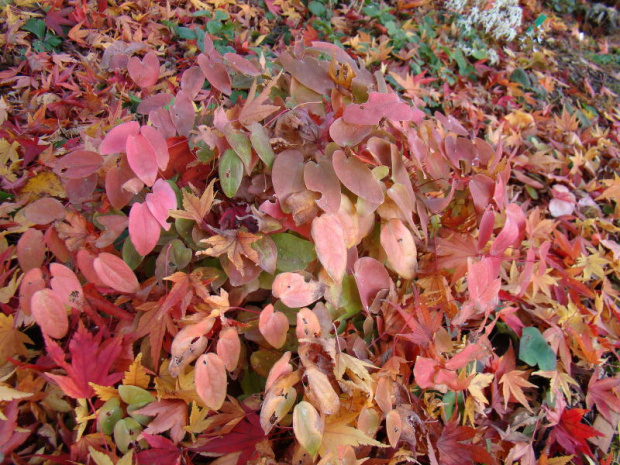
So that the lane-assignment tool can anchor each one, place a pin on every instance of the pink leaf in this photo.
(330, 243)
(229, 348)
(161, 201)
(513, 232)
(348, 134)
(115, 178)
(50, 313)
(78, 164)
(378, 106)
(370, 277)
(192, 81)
(182, 113)
(399, 246)
(142, 159)
(66, 286)
(241, 64)
(357, 177)
(215, 73)
(288, 174)
(144, 72)
(116, 140)
(144, 229)
(322, 178)
(273, 326)
(158, 143)
(44, 211)
(295, 291)
(114, 272)
(210, 378)
(85, 262)
(30, 249)
(31, 283)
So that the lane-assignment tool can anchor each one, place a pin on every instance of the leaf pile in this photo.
(224, 243)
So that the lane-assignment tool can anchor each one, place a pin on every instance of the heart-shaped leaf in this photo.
(144, 72)
(215, 73)
(273, 326)
(535, 350)
(115, 141)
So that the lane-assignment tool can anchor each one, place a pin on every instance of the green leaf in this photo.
(241, 145)
(185, 33)
(36, 26)
(134, 395)
(130, 255)
(231, 172)
(534, 350)
(294, 254)
(260, 142)
(316, 8)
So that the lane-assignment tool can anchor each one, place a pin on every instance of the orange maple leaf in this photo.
(513, 383)
(236, 244)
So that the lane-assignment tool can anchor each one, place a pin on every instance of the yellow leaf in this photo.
(99, 457)
(82, 417)
(12, 341)
(8, 291)
(104, 393)
(195, 208)
(560, 460)
(8, 394)
(198, 421)
(513, 383)
(126, 459)
(339, 433)
(9, 159)
(480, 381)
(45, 183)
(136, 375)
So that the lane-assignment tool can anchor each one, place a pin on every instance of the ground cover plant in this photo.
(287, 232)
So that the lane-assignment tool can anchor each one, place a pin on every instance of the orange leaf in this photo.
(210, 378)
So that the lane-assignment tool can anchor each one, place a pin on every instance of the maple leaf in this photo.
(195, 208)
(243, 438)
(455, 447)
(513, 383)
(169, 415)
(338, 433)
(155, 324)
(91, 361)
(604, 393)
(137, 375)
(11, 435)
(12, 341)
(235, 244)
(571, 434)
(162, 450)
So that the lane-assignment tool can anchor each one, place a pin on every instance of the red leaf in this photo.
(158, 143)
(192, 81)
(455, 447)
(241, 64)
(44, 211)
(162, 450)
(10, 436)
(322, 178)
(144, 72)
(91, 361)
(182, 113)
(242, 438)
(169, 415)
(604, 394)
(370, 277)
(571, 434)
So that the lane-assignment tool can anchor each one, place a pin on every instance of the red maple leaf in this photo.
(242, 438)
(571, 434)
(455, 447)
(162, 450)
(91, 361)
(604, 394)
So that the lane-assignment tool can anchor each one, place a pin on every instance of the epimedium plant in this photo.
(315, 272)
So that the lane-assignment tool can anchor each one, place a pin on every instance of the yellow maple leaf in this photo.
(8, 291)
(592, 264)
(104, 393)
(513, 383)
(45, 183)
(195, 208)
(9, 159)
(477, 385)
(12, 341)
(337, 433)
(612, 192)
(136, 375)
(235, 244)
